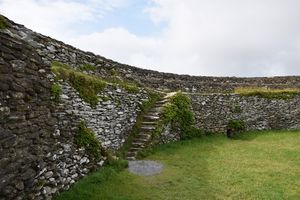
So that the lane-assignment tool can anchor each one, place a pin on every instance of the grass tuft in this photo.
(287, 93)
(87, 67)
(86, 138)
(3, 23)
(56, 91)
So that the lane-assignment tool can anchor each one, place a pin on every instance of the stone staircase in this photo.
(149, 123)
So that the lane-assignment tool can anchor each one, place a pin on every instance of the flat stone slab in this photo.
(144, 167)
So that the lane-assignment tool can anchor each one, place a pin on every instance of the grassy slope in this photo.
(255, 166)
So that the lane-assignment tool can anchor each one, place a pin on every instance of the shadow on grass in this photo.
(251, 135)
(246, 136)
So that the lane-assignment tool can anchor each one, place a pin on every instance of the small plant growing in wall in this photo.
(86, 138)
(113, 72)
(235, 126)
(181, 118)
(236, 109)
(87, 67)
(56, 91)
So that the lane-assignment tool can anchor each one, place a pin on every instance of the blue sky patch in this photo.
(131, 17)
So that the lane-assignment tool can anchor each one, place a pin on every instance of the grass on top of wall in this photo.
(257, 165)
(268, 93)
(88, 86)
(3, 23)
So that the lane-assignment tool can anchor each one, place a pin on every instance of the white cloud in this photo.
(233, 37)
(205, 37)
(57, 18)
(202, 37)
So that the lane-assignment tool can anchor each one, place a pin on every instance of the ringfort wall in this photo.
(38, 156)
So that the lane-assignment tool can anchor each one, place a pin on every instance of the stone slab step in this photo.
(162, 101)
(156, 109)
(149, 123)
(130, 158)
(169, 95)
(144, 136)
(151, 117)
(140, 140)
(149, 127)
(131, 154)
(153, 113)
(138, 144)
(134, 149)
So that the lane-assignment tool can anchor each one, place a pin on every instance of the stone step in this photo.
(162, 101)
(131, 154)
(149, 127)
(149, 123)
(159, 105)
(130, 158)
(135, 149)
(157, 109)
(153, 113)
(140, 140)
(138, 144)
(169, 95)
(151, 117)
(144, 136)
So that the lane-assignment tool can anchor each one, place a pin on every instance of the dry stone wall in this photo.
(213, 112)
(38, 155)
(112, 118)
(26, 123)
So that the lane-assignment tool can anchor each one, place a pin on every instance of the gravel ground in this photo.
(145, 167)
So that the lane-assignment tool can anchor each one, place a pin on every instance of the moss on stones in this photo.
(88, 86)
(86, 138)
(56, 91)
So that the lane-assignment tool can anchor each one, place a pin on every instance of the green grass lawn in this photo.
(263, 165)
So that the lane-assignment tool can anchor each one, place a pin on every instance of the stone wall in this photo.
(213, 111)
(112, 118)
(38, 155)
(26, 123)
(50, 49)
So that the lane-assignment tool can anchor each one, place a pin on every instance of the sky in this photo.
(246, 38)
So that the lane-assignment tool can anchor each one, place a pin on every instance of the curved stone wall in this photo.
(38, 156)
(213, 112)
(50, 49)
